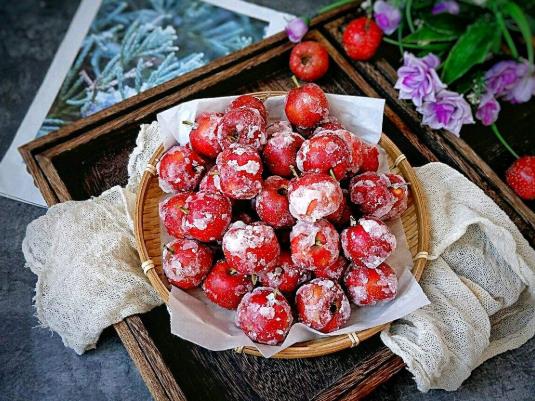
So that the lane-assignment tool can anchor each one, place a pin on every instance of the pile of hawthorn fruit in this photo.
(273, 205)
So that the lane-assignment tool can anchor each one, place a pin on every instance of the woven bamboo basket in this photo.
(415, 223)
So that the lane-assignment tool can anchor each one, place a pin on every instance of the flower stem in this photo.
(408, 45)
(503, 141)
(408, 15)
(334, 5)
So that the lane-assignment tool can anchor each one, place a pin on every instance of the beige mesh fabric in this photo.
(84, 255)
(480, 281)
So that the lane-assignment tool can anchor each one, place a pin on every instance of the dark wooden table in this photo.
(89, 156)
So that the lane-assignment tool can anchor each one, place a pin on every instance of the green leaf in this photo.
(472, 48)
(426, 35)
(515, 12)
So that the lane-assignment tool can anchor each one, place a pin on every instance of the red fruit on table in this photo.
(314, 196)
(203, 136)
(334, 271)
(186, 262)
(306, 106)
(244, 126)
(324, 153)
(309, 61)
(370, 158)
(172, 213)
(368, 243)
(207, 216)
(251, 102)
(285, 276)
(369, 286)
(272, 203)
(314, 246)
(362, 38)
(265, 316)
(250, 248)
(521, 177)
(322, 305)
(400, 191)
(225, 287)
(240, 172)
(372, 194)
(278, 127)
(342, 215)
(211, 182)
(280, 152)
(180, 169)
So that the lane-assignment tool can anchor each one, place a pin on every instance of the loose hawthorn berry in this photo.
(265, 316)
(244, 126)
(203, 136)
(521, 177)
(370, 158)
(322, 305)
(251, 102)
(324, 153)
(240, 172)
(250, 248)
(314, 196)
(225, 287)
(334, 271)
(280, 152)
(361, 38)
(306, 106)
(371, 193)
(207, 216)
(186, 263)
(314, 245)
(369, 286)
(211, 182)
(284, 276)
(309, 61)
(172, 213)
(369, 243)
(272, 203)
(278, 127)
(340, 217)
(399, 189)
(180, 169)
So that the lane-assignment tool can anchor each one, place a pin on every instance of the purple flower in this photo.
(417, 78)
(449, 110)
(512, 80)
(296, 29)
(386, 16)
(450, 7)
(524, 87)
(488, 109)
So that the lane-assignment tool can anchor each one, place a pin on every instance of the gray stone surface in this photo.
(34, 365)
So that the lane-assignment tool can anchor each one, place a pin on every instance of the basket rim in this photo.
(325, 345)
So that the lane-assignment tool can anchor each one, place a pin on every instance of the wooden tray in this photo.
(89, 156)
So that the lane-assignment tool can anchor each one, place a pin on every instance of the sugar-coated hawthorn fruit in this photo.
(334, 271)
(314, 196)
(399, 189)
(265, 316)
(186, 262)
(314, 245)
(277, 127)
(211, 182)
(371, 193)
(180, 169)
(284, 276)
(244, 126)
(240, 172)
(368, 243)
(367, 286)
(306, 106)
(203, 136)
(251, 102)
(272, 203)
(207, 216)
(172, 213)
(322, 305)
(225, 287)
(280, 152)
(340, 217)
(250, 248)
(370, 158)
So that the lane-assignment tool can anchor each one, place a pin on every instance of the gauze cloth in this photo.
(479, 279)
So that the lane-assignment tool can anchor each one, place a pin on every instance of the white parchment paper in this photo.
(196, 319)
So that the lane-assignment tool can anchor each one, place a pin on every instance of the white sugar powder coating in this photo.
(303, 238)
(278, 127)
(359, 293)
(184, 262)
(251, 167)
(378, 206)
(327, 194)
(379, 231)
(282, 140)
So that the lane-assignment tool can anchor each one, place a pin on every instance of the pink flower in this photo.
(386, 16)
(296, 29)
(449, 110)
(488, 109)
(450, 7)
(417, 78)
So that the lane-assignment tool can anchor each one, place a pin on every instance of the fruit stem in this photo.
(352, 221)
(295, 81)
(294, 171)
(187, 122)
(169, 250)
(331, 173)
(502, 140)
(184, 210)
